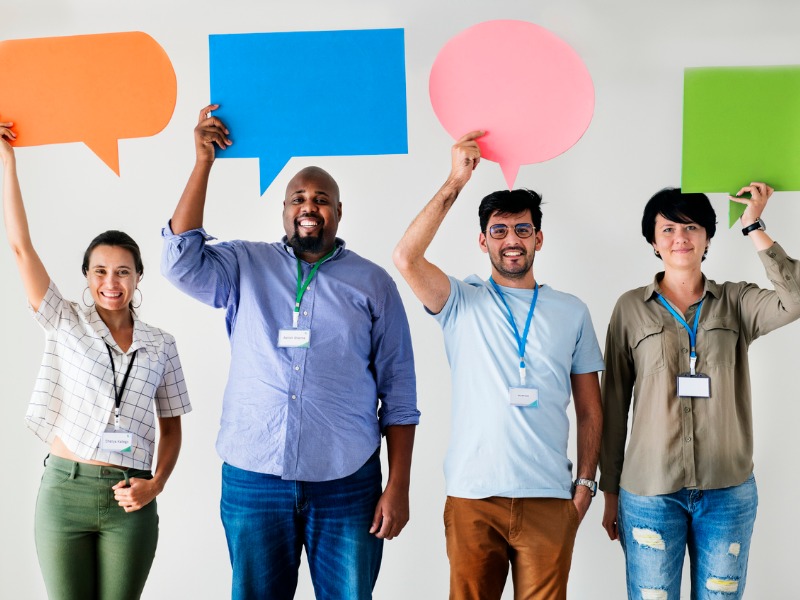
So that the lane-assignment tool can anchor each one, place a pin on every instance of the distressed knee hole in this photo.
(734, 549)
(649, 538)
(654, 594)
(726, 586)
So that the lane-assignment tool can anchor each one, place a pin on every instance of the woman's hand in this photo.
(139, 494)
(759, 195)
(6, 136)
(610, 515)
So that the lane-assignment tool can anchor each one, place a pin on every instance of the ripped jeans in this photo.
(716, 526)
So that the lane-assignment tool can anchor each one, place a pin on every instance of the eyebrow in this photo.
(319, 192)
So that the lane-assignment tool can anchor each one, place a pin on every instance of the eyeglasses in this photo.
(523, 230)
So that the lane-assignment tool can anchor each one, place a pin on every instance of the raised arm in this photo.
(209, 131)
(34, 276)
(759, 195)
(427, 281)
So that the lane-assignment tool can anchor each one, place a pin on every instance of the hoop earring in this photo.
(83, 297)
(141, 297)
(657, 253)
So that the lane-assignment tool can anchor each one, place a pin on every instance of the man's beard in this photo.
(307, 243)
(519, 273)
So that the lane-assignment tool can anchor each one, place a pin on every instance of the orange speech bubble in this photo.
(95, 89)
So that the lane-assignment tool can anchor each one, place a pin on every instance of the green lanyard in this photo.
(302, 284)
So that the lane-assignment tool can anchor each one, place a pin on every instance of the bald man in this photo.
(321, 367)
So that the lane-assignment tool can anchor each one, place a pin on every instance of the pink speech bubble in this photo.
(521, 83)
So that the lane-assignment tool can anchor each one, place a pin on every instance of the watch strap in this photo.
(592, 485)
(759, 224)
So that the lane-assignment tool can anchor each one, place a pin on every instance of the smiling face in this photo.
(311, 213)
(681, 245)
(511, 257)
(111, 277)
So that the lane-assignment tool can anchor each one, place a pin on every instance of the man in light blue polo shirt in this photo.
(517, 349)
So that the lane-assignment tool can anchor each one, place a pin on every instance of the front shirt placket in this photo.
(299, 358)
(687, 405)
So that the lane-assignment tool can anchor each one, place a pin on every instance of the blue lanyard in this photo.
(692, 330)
(521, 341)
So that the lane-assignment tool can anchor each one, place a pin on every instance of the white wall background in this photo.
(635, 51)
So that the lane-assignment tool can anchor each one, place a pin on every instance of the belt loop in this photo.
(44, 462)
(127, 480)
(74, 472)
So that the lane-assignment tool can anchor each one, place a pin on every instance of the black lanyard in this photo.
(119, 392)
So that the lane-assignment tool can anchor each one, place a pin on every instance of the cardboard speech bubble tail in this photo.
(107, 150)
(735, 212)
(510, 171)
(269, 169)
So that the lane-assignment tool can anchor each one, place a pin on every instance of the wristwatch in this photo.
(759, 224)
(592, 485)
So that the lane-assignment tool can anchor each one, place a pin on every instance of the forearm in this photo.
(14, 210)
(761, 240)
(418, 237)
(589, 417)
(189, 212)
(169, 447)
(400, 445)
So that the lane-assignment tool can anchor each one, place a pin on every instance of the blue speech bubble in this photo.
(320, 93)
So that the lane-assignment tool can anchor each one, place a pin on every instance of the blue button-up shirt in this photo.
(309, 414)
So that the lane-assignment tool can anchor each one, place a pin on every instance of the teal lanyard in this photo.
(692, 330)
(302, 284)
(521, 340)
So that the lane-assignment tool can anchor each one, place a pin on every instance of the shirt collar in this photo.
(142, 336)
(709, 287)
(340, 246)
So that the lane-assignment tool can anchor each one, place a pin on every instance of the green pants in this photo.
(89, 548)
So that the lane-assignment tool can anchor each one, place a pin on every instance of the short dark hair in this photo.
(511, 202)
(678, 207)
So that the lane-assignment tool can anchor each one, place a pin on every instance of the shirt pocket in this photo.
(721, 335)
(647, 348)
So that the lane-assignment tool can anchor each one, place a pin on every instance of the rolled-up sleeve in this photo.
(205, 272)
(393, 361)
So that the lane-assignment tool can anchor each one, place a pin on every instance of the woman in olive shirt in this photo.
(687, 476)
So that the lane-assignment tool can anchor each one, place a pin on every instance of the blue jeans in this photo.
(269, 520)
(716, 525)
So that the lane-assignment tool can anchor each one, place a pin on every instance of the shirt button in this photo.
(689, 439)
(305, 313)
(296, 367)
(684, 350)
(685, 408)
(294, 397)
(788, 278)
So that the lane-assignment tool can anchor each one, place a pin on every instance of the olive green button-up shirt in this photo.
(676, 442)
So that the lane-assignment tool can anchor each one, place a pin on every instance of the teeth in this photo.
(308, 223)
(513, 253)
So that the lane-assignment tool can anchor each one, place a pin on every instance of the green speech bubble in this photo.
(740, 124)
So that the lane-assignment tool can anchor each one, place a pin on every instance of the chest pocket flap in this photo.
(720, 336)
(647, 348)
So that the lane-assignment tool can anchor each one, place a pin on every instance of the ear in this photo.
(539, 240)
(482, 242)
(339, 210)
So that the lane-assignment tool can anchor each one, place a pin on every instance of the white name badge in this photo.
(519, 396)
(116, 441)
(294, 338)
(694, 386)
